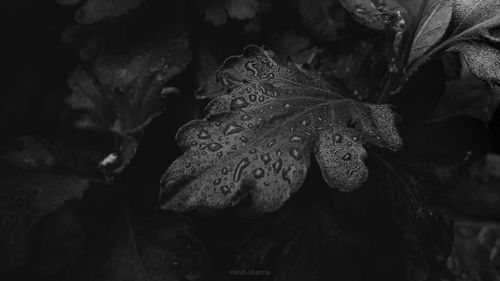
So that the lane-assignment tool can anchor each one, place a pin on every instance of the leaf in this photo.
(323, 18)
(217, 12)
(414, 181)
(477, 193)
(31, 187)
(97, 10)
(476, 251)
(468, 96)
(258, 136)
(431, 29)
(372, 14)
(156, 248)
(122, 89)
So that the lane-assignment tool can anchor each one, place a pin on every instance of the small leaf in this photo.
(368, 13)
(31, 187)
(431, 29)
(260, 132)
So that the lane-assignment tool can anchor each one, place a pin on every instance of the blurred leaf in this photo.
(475, 251)
(97, 10)
(154, 249)
(478, 193)
(123, 89)
(468, 96)
(324, 18)
(32, 186)
(217, 12)
(259, 134)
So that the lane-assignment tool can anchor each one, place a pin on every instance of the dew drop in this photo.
(244, 139)
(240, 167)
(203, 134)
(232, 128)
(286, 105)
(225, 189)
(214, 146)
(224, 171)
(217, 123)
(216, 181)
(355, 138)
(271, 143)
(233, 147)
(219, 154)
(337, 138)
(295, 153)
(265, 158)
(252, 151)
(277, 165)
(296, 139)
(288, 174)
(252, 98)
(238, 103)
(305, 122)
(258, 173)
(266, 183)
(261, 98)
(346, 157)
(245, 117)
(194, 143)
(250, 66)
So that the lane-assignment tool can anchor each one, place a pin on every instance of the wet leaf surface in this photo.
(475, 35)
(259, 135)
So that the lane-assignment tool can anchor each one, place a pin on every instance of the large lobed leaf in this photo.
(260, 131)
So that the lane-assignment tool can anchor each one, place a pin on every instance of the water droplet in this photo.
(258, 173)
(295, 153)
(355, 138)
(194, 143)
(265, 158)
(271, 75)
(271, 143)
(277, 165)
(245, 117)
(305, 122)
(261, 98)
(288, 174)
(238, 103)
(224, 171)
(240, 167)
(252, 98)
(244, 139)
(233, 147)
(219, 154)
(225, 189)
(250, 66)
(203, 134)
(296, 139)
(217, 123)
(346, 157)
(337, 138)
(216, 181)
(266, 183)
(286, 105)
(232, 128)
(214, 146)
(253, 150)
(349, 143)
